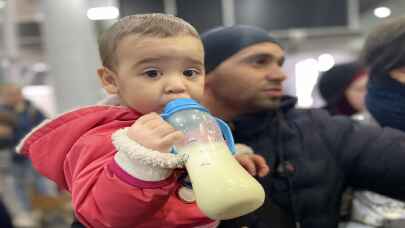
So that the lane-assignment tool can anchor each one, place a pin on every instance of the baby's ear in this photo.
(108, 80)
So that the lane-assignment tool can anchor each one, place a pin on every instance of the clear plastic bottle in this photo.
(222, 187)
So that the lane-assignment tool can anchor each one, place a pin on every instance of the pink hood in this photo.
(48, 145)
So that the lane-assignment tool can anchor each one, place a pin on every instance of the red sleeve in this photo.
(105, 196)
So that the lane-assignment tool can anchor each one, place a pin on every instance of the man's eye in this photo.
(152, 73)
(190, 72)
(261, 61)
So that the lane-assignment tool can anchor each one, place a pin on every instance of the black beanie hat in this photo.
(334, 82)
(222, 42)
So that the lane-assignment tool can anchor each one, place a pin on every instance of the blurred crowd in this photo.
(32, 200)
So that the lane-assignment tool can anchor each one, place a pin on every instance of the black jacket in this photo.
(5, 218)
(25, 121)
(313, 158)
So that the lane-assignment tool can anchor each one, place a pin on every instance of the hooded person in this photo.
(384, 55)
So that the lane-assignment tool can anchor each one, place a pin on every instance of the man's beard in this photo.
(271, 104)
(275, 103)
(248, 105)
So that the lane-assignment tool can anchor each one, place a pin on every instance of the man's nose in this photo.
(276, 73)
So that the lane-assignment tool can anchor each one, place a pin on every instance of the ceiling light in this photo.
(382, 12)
(325, 62)
(103, 13)
(306, 76)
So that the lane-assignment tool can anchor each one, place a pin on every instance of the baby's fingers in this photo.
(247, 163)
(169, 140)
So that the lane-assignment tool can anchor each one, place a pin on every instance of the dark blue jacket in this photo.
(314, 157)
(26, 120)
(5, 218)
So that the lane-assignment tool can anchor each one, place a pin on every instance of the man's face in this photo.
(152, 71)
(251, 80)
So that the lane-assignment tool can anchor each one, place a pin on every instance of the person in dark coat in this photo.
(384, 56)
(313, 156)
(26, 116)
(5, 219)
(343, 88)
(7, 126)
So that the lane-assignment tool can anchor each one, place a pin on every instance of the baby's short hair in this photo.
(143, 25)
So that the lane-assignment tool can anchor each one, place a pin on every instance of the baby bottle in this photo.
(223, 188)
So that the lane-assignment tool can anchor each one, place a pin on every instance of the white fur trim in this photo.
(144, 155)
(141, 162)
(139, 170)
(243, 149)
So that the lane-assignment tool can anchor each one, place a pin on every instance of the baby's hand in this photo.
(254, 164)
(154, 133)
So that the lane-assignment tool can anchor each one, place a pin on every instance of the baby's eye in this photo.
(190, 72)
(152, 73)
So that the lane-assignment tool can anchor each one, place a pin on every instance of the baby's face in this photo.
(152, 71)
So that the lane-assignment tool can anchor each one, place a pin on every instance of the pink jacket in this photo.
(76, 151)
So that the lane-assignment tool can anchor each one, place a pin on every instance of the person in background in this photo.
(384, 56)
(115, 158)
(312, 155)
(343, 88)
(7, 126)
(5, 218)
(27, 116)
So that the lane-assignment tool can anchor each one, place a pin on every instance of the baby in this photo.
(115, 159)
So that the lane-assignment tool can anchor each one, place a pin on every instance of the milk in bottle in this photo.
(222, 187)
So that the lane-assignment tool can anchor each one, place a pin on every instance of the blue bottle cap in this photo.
(188, 103)
(181, 104)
